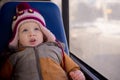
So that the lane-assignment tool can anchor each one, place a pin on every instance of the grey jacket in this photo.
(44, 61)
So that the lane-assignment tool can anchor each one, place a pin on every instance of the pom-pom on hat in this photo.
(25, 13)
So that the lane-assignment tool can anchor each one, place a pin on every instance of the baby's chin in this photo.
(34, 44)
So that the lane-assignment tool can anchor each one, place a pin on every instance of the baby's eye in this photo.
(24, 30)
(37, 28)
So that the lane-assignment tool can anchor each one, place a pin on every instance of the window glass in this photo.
(95, 34)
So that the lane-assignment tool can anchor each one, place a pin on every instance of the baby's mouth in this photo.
(32, 40)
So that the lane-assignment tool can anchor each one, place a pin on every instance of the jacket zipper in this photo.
(38, 64)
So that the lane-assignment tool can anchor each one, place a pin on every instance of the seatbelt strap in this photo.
(63, 54)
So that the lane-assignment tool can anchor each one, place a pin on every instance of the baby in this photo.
(38, 55)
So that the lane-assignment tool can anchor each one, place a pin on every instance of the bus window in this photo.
(95, 34)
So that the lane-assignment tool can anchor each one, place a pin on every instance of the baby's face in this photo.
(30, 34)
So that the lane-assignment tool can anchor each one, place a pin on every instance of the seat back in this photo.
(49, 11)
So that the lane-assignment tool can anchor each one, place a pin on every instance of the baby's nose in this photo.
(31, 34)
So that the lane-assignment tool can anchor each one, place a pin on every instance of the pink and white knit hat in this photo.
(25, 13)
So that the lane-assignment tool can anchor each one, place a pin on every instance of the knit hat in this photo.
(25, 13)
